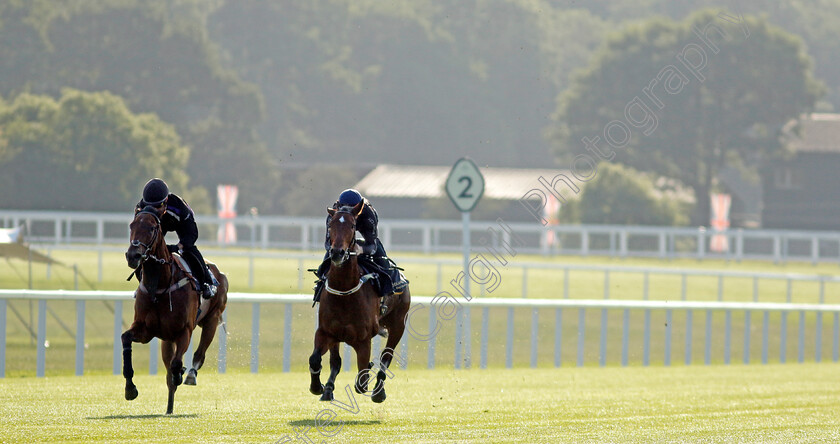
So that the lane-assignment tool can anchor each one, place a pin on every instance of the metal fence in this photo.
(431, 236)
(463, 317)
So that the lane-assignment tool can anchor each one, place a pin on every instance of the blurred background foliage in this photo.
(293, 100)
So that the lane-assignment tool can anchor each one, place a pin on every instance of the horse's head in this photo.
(145, 231)
(342, 231)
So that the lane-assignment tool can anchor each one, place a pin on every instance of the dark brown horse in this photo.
(166, 306)
(349, 313)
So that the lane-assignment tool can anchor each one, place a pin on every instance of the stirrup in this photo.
(208, 291)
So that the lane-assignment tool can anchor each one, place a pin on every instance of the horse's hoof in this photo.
(378, 397)
(360, 390)
(131, 393)
(327, 396)
(190, 379)
(316, 390)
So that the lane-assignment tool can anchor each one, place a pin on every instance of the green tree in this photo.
(730, 109)
(86, 151)
(156, 55)
(623, 196)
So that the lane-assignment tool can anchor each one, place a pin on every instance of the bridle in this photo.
(146, 254)
(351, 250)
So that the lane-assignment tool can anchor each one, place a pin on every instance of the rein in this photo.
(362, 281)
(146, 255)
(351, 251)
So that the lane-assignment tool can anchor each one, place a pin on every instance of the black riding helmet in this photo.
(155, 192)
(349, 197)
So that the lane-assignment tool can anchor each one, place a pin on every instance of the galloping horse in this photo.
(349, 313)
(166, 306)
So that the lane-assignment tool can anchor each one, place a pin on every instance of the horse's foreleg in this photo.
(208, 332)
(335, 367)
(364, 365)
(175, 370)
(315, 386)
(137, 333)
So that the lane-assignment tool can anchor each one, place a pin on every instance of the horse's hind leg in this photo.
(175, 369)
(208, 332)
(395, 322)
(137, 333)
(335, 367)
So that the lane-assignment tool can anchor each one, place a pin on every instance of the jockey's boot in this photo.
(208, 291)
(319, 285)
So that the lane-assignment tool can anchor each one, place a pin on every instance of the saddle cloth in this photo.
(202, 303)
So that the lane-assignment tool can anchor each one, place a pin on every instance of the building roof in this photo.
(428, 181)
(818, 133)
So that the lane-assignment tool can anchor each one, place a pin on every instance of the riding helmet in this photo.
(155, 192)
(349, 197)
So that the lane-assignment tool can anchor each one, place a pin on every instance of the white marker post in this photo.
(465, 186)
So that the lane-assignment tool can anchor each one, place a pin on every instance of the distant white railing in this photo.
(431, 236)
(522, 268)
(463, 319)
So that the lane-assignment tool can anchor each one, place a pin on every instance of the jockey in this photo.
(366, 224)
(177, 216)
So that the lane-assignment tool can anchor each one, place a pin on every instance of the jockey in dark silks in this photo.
(177, 216)
(366, 224)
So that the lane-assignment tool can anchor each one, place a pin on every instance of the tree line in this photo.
(252, 92)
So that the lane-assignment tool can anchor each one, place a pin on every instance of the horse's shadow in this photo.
(314, 423)
(150, 416)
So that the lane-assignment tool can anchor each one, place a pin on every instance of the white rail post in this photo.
(404, 351)
(2, 338)
(558, 335)
(255, 337)
(347, 355)
(287, 339)
(602, 351)
(535, 321)
(80, 337)
(727, 341)
(646, 344)
(801, 336)
(459, 329)
(581, 335)
(747, 316)
(509, 340)
(485, 327)
(707, 355)
(42, 337)
(222, 332)
(430, 356)
(154, 346)
(689, 317)
(467, 337)
(668, 324)
(783, 338)
(625, 338)
(118, 309)
(765, 336)
(835, 348)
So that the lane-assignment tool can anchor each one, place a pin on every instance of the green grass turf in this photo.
(773, 403)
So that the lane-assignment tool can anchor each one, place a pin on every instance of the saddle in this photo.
(393, 275)
(185, 268)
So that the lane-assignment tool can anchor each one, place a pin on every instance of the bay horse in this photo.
(350, 313)
(166, 306)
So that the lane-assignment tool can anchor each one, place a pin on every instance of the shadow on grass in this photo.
(110, 417)
(313, 423)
